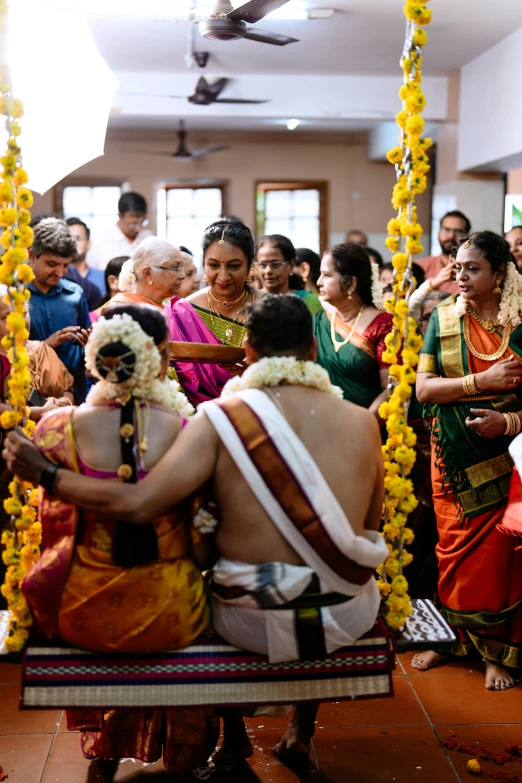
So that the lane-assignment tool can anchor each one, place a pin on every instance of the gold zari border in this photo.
(489, 470)
(450, 340)
(427, 363)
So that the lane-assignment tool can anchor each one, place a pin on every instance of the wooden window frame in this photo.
(195, 185)
(82, 182)
(309, 184)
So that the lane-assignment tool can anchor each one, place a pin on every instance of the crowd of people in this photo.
(289, 436)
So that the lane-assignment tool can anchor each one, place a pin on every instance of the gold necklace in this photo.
(226, 305)
(338, 345)
(486, 357)
(487, 323)
(229, 332)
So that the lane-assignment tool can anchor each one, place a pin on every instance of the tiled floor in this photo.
(374, 741)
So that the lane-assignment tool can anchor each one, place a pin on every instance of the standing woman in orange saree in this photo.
(470, 379)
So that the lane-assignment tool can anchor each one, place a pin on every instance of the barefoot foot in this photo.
(229, 756)
(426, 660)
(497, 678)
(293, 753)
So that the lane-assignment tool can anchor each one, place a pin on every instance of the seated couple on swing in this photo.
(297, 475)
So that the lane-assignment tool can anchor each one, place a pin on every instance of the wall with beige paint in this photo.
(359, 190)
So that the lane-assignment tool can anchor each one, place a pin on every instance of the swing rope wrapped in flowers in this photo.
(198, 674)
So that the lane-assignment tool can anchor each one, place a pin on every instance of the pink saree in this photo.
(200, 382)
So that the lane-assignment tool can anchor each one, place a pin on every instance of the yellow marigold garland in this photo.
(412, 165)
(21, 544)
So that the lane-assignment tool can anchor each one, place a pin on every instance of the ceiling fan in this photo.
(227, 23)
(206, 93)
(182, 152)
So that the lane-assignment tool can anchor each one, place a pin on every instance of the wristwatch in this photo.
(47, 478)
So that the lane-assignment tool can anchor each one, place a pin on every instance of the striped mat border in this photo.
(210, 672)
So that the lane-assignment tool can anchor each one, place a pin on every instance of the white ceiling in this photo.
(363, 38)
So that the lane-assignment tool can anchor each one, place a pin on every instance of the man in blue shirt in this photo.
(58, 308)
(82, 234)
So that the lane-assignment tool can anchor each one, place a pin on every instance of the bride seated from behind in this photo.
(107, 585)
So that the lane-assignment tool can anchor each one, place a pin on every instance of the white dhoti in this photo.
(286, 611)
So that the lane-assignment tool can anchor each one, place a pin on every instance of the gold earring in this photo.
(349, 296)
(204, 278)
(249, 279)
(305, 280)
(497, 289)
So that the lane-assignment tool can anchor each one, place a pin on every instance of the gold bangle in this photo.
(468, 384)
(507, 429)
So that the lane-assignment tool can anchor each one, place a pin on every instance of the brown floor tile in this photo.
(376, 755)
(23, 758)
(10, 673)
(403, 710)
(466, 700)
(491, 737)
(456, 667)
(15, 721)
(264, 766)
(66, 763)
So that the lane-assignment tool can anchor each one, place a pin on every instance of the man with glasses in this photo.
(453, 226)
(82, 235)
(125, 236)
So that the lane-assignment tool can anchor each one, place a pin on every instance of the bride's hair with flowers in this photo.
(126, 351)
(354, 261)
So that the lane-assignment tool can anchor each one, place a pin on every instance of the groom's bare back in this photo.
(345, 442)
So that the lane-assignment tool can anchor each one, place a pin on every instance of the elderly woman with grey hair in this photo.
(153, 275)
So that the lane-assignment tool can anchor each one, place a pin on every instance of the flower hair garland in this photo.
(282, 371)
(127, 279)
(377, 298)
(411, 165)
(144, 383)
(510, 300)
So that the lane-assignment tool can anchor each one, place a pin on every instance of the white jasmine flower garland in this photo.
(282, 370)
(510, 300)
(377, 299)
(127, 279)
(144, 384)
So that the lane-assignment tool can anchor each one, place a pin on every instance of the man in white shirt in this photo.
(124, 237)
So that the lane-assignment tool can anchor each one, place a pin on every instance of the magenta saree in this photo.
(200, 382)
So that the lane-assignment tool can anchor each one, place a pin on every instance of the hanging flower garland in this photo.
(21, 543)
(412, 165)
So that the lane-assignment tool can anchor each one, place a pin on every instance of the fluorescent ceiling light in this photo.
(292, 124)
(320, 13)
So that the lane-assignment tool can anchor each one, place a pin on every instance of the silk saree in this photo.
(356, 367)
(192, 324)
(480, 568)
(77, 591)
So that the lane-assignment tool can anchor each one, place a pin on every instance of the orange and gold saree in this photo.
(77, 590)
(480, 569)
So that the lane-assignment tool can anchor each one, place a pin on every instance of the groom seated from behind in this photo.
(298, 478)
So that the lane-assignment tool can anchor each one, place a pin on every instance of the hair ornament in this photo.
(222, 242)
(467, 243)
(128, 364)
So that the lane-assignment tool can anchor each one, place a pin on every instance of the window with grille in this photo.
(97, 206)
(295, 209)
(185, 211)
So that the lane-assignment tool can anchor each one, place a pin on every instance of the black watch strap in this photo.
(48, 478)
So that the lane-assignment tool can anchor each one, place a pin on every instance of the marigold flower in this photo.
(21, 177)
(420, 37)
(24, 217)
(392, 243)
(24, 198)
(6, 192)
(474, 767)
(24, 273)
(11, 505)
